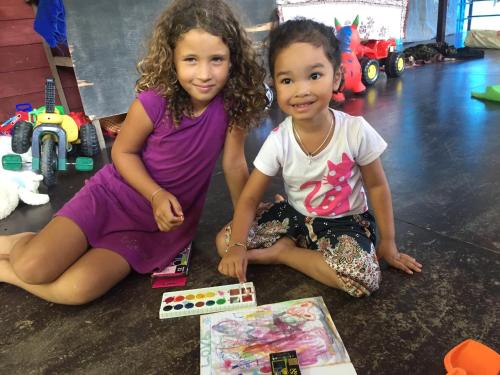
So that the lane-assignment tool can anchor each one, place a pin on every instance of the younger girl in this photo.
(328, 159)
(200, 89)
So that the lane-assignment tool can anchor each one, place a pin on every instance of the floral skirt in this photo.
(347, 243)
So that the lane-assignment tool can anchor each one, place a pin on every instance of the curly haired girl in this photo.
(200, 89)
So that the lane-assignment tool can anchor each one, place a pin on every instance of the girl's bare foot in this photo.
(270, 255)
(7, 242)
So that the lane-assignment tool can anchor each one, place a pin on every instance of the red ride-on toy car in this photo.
(362, 60)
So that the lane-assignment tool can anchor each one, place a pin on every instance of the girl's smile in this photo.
(304, 80)
(204, 89)
(202, 63)
(303, 107)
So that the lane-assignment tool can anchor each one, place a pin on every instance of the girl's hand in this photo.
(167, 211)
(387, 249)
(234, 263)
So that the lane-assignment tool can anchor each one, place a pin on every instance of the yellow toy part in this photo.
(49, 118)
(66, 122)
(71, 128)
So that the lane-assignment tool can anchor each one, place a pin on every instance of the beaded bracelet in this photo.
(240, 244)
(154, 194)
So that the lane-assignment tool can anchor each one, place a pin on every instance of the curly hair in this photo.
(302, 30)
(244, 91)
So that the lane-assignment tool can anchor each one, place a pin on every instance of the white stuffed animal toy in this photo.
(18, 185)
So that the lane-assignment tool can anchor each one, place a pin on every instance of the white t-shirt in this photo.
(331, 184)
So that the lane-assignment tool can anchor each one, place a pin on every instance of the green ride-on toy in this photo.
(52, 135)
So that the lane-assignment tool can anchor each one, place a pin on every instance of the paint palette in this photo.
(207, 300)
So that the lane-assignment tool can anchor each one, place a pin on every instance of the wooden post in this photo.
(100, 138)
(441, 23)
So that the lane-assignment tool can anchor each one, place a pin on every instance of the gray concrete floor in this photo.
(443, 165)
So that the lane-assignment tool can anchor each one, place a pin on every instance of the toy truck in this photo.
(379, 53)
(362, 60)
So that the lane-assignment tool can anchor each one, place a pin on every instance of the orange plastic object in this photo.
(472, 358)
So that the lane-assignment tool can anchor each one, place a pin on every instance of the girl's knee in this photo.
(32, 269)
(358, 269)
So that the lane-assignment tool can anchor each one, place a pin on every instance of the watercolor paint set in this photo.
(207, 300)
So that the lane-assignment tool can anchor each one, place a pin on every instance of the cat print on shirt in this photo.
(336, 200)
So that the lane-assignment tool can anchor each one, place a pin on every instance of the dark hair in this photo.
(244, 92)
(302, 30)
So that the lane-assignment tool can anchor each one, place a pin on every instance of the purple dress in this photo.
(115, 216)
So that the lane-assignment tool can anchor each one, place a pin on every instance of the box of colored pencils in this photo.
(175, 274)
(207, 300)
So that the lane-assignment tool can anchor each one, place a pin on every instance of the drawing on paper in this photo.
(239, 342)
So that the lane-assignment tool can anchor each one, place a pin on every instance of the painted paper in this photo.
(240, 342)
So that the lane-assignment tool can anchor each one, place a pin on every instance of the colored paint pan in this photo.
(207, 300)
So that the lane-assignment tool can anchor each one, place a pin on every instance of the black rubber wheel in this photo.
(48, 162)
(21, 137)
(395, 64)
(370, 70)
(89, 145)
